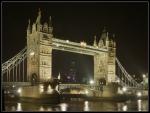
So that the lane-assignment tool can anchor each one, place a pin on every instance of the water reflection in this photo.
(13, 108)
(19, 107)
(136, 105)
(41, 108)
(139, 105)
(63, 107)
(124, 108)
(86, 106)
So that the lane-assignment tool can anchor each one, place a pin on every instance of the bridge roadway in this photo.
(76, 47)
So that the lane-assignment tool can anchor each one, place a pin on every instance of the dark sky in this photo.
(78, 22)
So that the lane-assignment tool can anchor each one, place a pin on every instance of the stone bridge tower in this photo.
(104, 62)
(39, 50)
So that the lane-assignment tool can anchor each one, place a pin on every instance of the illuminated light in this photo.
(83, 44)
(124, 108)
(67, 41)
(139, 105)
(118, 81)
(63, 107)
(139, 94)
(120, 91)
(49, 89)
(86, 106)
(41, 108)
(124, 89)
(19, 90)
(144, 76)
(41, 86)
(13, 86)
(59, 76)
(86, 92)
(19, 107)
(57, 45)
(91, 82)
(32, 53)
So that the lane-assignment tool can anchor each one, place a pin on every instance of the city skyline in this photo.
(82, 22)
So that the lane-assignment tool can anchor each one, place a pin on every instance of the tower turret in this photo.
(29, 28)
(104, 34)
(95, 43)
(38, 21)
(50, 25)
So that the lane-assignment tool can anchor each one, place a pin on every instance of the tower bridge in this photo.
(38, 57)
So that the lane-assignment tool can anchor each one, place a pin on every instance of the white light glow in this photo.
(124, 108)
(86, 92)
(118, 81)
(83, 44)
(49, 89)
(63, 107)
(19, 107)
(91, 82)
(139, 105)
(19, 90)
(41, 88)
(32, 53)
(86, 106)
(139, 94)
(67, 41)
(124, 89)
(144, 76)
(57, 45)
(41, 108)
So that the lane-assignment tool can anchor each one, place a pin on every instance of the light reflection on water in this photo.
(86, 106)
(63, 107)
(139, 105)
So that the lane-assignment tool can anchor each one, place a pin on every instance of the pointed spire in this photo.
(28, 24)
(104, 34)
(29, 27)
(59, 76)
(107, 38)
(104, 30)
(38, 20)
(113, 36)
(50, 21)
(101, 43)
(95, 43)
(114, 42)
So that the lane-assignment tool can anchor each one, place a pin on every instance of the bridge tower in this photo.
(104, 62)
(39, 50)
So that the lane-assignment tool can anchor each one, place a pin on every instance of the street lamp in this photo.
(91, 82)
(124, 89)
(19, 90)
(144, 76)
(86, 92)
(139, 94)
(32, 53)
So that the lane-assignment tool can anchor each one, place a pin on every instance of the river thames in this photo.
(79, 105)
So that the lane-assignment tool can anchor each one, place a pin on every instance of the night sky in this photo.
(78, 22)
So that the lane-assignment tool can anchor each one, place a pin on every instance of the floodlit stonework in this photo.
(40, 42)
